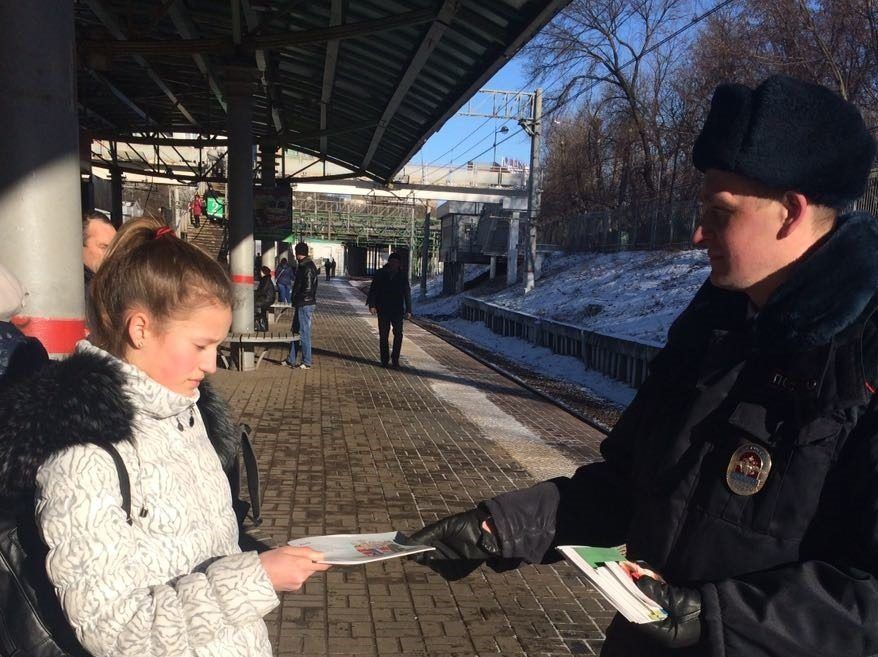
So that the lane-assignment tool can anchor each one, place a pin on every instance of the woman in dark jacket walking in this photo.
(745, 471)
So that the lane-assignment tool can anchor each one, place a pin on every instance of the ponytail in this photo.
(147, 266)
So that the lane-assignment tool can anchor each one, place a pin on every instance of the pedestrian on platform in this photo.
(283, 276)
(327, 266)
(331, 267)
(264, 296)
(304, 303)
(390, 297)
(196, 210)
(20, 355)
(97, 233)
(745, 471)
(169, 579)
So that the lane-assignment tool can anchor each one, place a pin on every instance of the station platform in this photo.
(351, 447)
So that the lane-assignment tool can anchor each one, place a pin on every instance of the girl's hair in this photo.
(266, 271)
(147, 266)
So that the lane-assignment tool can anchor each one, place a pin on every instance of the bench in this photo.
(278, 309)
(240, 343)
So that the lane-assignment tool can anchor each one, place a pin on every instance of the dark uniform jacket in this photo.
(790, 570)
(305, 284)
(390, 295)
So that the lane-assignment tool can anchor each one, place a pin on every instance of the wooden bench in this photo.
(240, 343)
(278, 309)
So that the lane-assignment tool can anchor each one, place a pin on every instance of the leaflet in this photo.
(355, 549)
(609, 572)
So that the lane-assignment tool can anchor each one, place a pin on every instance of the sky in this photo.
(462, 138)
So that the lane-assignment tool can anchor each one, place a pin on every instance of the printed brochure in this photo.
(610, 573)
(355, 549)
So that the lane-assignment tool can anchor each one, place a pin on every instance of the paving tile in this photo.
(351, 447)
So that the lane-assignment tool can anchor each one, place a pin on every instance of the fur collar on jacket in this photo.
(80, 400)
(828, 291)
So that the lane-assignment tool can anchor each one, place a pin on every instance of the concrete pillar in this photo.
(512, 251)
(269, 255)
(40, 218)
(240, 198)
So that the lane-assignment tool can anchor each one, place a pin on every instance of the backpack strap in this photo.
(252, 469)
(124, 481)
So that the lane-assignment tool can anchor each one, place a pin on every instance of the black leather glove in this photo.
(461, 544)
(682, 627)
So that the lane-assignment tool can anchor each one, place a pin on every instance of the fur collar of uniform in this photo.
(76, 401)
(828, 292)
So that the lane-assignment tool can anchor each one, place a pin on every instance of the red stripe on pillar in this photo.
(58, 335)
(240, 278)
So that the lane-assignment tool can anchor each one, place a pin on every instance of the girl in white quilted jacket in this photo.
(173, 582)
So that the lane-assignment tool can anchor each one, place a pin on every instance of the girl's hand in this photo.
(289, 567)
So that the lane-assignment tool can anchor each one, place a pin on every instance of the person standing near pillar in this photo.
(97, 233)
(331, 267)
(390, 297)
(304, 301)
(327, 266)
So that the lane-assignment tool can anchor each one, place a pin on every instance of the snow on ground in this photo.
(634, 295)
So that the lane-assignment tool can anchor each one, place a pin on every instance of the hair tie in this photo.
(164, 230)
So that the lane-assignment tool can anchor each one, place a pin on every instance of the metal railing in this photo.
(624, 360)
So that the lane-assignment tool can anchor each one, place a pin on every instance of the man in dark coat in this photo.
(97, 233)
(304, 301)
(745, 471)
(390, 296)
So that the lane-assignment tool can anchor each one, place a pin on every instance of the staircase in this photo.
(212, 238)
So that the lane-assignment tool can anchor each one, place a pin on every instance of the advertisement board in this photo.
(272, 212)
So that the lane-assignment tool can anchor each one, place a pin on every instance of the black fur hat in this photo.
(788, 134)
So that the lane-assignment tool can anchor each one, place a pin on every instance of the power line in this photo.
(692, 23)
(533, 78)
(474, 157)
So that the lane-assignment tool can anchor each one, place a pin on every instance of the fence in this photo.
(624, 360)
(646, 224)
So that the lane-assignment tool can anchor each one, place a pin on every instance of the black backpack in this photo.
(32, 623)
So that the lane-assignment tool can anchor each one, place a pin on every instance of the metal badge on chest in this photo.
(748, 469)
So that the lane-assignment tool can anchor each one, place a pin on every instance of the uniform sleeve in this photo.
(816, 607)
(101, 577)
(593, 507)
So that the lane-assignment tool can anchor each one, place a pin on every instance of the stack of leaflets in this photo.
(610, 573)
(354, 549)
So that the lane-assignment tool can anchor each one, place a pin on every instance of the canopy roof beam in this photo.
(110, 22)
(428, 44)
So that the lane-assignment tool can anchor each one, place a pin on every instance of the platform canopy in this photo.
(359, 83)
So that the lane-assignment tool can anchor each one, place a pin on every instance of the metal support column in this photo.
(39, 146)
(533, 193)
(493, 273)
(425, 252)
(240, 199)
(512, 251)
(116, 196)
(411, 257)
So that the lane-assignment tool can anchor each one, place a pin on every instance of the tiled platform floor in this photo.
(350, 447)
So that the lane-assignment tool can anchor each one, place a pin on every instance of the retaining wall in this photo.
(625, 360)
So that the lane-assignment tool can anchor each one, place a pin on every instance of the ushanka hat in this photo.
(789, 135)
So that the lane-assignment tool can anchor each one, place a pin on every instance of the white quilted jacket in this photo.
(173, 583)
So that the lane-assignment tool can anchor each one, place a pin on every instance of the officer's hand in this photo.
(682, 627)
(408, 315)
(372, 310)
(461, 543)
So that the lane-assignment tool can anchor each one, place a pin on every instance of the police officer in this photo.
(745, 471)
